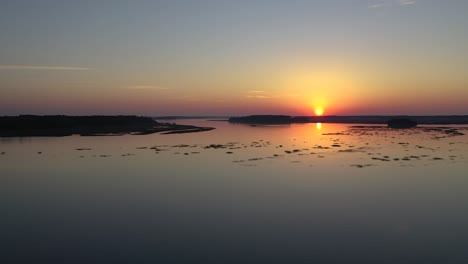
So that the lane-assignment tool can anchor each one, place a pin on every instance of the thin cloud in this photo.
(257, 94)
(407, 2)
(260, 97)
(146, 87)
(378, 5)
(391, 3)
(42, 68)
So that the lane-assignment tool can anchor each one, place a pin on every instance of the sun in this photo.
(318, 111)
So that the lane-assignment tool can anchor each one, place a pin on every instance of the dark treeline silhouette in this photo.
(282, 119)
(60, 125)
(401, 123)
(262, 119)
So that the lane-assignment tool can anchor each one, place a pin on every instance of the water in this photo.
(341, 195)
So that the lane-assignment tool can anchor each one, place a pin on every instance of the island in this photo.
(61, 125)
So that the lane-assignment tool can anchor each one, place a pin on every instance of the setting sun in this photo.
(319, 111)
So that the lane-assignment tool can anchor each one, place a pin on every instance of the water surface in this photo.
(301, 193)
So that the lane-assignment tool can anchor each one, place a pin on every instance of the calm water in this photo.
(274, 194)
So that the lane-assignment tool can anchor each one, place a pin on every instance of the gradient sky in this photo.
(216, 57)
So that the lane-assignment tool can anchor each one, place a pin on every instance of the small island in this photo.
(60, 125)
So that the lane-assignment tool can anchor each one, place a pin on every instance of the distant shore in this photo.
(60, 125)
(284, 119)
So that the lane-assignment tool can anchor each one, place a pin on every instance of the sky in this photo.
(217, 57)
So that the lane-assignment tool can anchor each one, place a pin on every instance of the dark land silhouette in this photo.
(60, 125)
(401, 123)
(283, 119)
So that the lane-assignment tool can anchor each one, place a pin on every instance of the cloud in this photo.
(258, 94)
(391, 3)
(407, 2)
(261, 97)
(146, 87)
(42, 68)
(378, 5)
